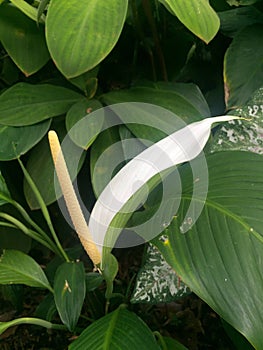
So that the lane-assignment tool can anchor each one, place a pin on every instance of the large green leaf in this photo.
(23, 40)
(19, 268)
(69, 292)
(17, 140)
(121, 329)
(80, 34)
(184, 100)
(197, 15)
(245, 54)
(220, 257)
(26, 104)
(232, 21)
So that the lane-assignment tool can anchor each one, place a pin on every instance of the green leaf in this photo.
(41, 8)
(109, 273)
(121, 329)
(198, 16)
(241, 2)
(19, 268)
(93, 281)
(26, 104)
(16, 141)
(184, 100)
(87, 82)
(5, 196)
(95, 27)
(87, 128)
(220, 257)
(156, 281)
(244, 55)
(23, 40)
(43, 176)
(242, 135)
(69, 292)
(28, 10)
(171, 344)
(234, 20)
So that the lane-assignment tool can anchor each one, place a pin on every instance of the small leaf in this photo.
(19, 268)
(41, 9)
(198, 16)
(172, 344)
(244, 55)
(109, 273)
(23, 40)
(156, 281)
(69, 292)
(93, 281)
(26, 104)
(95, 27)
(5, 196)
(16, 141)
(121, 329)
(88, 127)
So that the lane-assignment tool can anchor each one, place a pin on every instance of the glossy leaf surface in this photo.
(121, 329)
(69, 292)
(23, 40)
(198, 16)
(220, 257)
(26, 104)
(19, 268)
(95, 27)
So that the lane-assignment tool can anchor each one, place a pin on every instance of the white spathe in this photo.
(181, 146)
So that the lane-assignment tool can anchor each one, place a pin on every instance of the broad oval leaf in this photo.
(95, 27)
(23, 40)
(184, 100)
(220, 257)
(121, 329)
(244, 55)
(26, 104)
(17, 140)
(69, 292)
(19, 268)
(197, 15)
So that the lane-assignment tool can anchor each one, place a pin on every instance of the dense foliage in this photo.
(64, 59)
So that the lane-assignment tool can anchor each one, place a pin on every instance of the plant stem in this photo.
(47, 242)
(31, 320)
(148, 12)
(44, 210)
